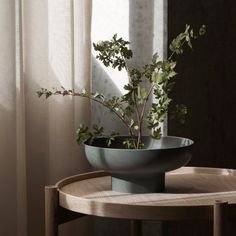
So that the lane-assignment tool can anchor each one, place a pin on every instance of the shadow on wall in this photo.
(141, 35)
(141, 32)
(102, 83)
(141, 17)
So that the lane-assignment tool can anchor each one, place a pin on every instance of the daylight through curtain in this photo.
(43, 43)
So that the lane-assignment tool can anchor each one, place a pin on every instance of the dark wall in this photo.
(207, 85)
(207, 80)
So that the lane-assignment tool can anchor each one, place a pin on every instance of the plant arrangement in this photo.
(132, 108)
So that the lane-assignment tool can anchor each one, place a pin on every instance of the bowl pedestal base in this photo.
(153, 184)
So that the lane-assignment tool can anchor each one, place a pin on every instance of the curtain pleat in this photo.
(8, 161)
(43, 43)
(20, 126)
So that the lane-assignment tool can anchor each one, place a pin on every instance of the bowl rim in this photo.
(191, 142)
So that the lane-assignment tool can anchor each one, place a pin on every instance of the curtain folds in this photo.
(43, 43)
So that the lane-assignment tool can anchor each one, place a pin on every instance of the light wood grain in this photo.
(190, 194)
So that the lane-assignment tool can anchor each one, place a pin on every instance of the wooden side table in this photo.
(191, 193)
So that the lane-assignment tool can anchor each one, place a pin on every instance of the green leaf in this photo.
(190, 44)
(159, 78)
(82, 134)
(111, 138)
(156, 133)
(171, 74)
(132, 123)
(128, 87)
(187, 27)
(154, 58)
(166, 101)
(168, 87)
(179, 113)
(172, 64)
(39, 93)
(113, 52)
(135, 76)
(48, 94)
(129, 143)
(142, 94)
(98, 131)
(202, 30)
(158, 92)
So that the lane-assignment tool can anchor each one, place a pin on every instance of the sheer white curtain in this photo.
(43, 43)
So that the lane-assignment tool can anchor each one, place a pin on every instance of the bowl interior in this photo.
(168, 142)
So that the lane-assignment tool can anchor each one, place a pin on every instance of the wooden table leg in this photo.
(51, 211)
(136, 228)
(220, 218)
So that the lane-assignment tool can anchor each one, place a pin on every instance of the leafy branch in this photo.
(131, 108)
(113, 104)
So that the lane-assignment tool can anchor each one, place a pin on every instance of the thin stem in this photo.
(107, 106)
(138, 120)
(145, 102)
(173, 53)
(71, 93)
(135, 102)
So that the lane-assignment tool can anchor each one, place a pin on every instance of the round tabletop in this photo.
(190, 194)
